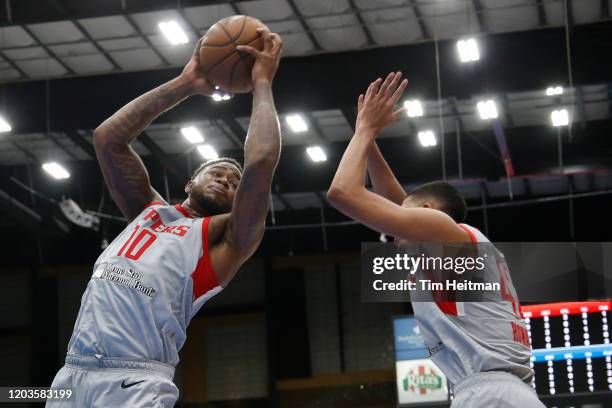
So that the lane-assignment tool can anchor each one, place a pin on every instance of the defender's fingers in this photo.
(277, 42)
(399, 91)
(393, 85)
(385, 84)
(373, 89)
(360, 102)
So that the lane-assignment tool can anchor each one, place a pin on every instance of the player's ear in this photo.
(188, 186)
(427, 204)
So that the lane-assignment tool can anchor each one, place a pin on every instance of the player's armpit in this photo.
(412, 224)
(126, 177)
(226, 258)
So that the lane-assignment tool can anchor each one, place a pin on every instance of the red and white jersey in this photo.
(465, 338)
(146, 286)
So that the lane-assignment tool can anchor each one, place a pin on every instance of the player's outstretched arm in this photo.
(246, 224)
(125, 174)
(383, 180)
(348, 193)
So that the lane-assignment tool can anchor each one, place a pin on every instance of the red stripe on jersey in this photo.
(470, 232)
(182, 210)
(448, 308)
(204, 277)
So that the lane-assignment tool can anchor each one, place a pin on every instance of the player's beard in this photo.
(209, 205)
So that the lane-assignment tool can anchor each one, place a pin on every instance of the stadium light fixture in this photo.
(208, 152)
(559, 118)
(468, 50)
(316, 153)
(487, 109)
(173, 32)
(554, 90)
(4, 125)
(297, 123)
(414, 108)
(427, 138)
(192, 134)
(56, 170)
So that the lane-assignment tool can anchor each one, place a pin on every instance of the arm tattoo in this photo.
(124, 172)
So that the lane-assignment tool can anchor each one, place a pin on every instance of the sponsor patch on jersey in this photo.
(435, 349)
(121, 276)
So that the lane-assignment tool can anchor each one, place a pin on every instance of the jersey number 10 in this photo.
(136, 246)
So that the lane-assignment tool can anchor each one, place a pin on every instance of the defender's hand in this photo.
(192, 73)
(266, 61)
(376, 107)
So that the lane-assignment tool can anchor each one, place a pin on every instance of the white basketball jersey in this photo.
(146, 287)
(465, 338)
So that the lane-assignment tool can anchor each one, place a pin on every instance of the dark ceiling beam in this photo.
(605, 9)
(506, 108)
(161, 156)
(542, 18)
(581, 107)
(135, 27)
(305, 27)
(14, 66)
(62, 148)
(101, 50)
(281, 197)
(24, 13)
(234, 7)
(362, 23)
(228, 133)
(80, 141)
(478, 10)
(569, 10)
(236, 129)
(315, 126)
(48, 50)
(26, 152)
(421, 20)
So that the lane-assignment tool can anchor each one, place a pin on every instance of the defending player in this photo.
(481, 347)
(153, 278)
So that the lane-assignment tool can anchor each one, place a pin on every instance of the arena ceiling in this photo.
(66, 65)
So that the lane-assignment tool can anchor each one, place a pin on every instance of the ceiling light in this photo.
(316, 154)
(296, 123)
(427, 138)
(487, 109)
(554, 90)
(55, 170)
(413, 108)
(4, 125)
(468, 50)
(559, 118)
(208, 152)
(218, 97)
(192, 134)
(173, 32)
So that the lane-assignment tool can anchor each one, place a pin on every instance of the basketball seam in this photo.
(232, 75)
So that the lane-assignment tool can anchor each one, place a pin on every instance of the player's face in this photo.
(214, 188)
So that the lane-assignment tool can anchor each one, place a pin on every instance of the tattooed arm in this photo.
(125, 174)
(246, 224)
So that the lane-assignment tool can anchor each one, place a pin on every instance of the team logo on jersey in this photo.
(121, 276)
(422, 379)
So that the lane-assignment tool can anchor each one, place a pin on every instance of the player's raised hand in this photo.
(193, 74)
(376, 109)
(267, 60)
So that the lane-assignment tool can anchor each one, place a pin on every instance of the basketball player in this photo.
(154, 277)
(481, 347)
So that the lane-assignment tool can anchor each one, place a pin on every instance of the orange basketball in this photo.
(222, 64)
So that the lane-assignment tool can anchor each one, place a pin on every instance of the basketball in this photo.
(222, 64)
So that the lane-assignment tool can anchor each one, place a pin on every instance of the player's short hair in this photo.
(211, 162)
(446, 195)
